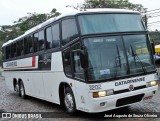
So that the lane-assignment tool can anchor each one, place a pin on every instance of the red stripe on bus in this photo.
(33, 64)
(33, 61)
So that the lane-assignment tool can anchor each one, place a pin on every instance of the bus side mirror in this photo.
(153, 47)
(83, 58)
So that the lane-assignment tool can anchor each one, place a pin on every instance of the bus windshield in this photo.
(106, 23)
(108, 56)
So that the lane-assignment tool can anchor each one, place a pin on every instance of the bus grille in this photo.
(127, 90)
(129, 100)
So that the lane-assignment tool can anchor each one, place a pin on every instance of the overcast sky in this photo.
(12, 10)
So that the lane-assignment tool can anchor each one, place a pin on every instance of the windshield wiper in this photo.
(117, 61)
(135, 55)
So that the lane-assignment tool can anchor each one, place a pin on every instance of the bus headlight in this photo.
(151, 83)
(102, 93)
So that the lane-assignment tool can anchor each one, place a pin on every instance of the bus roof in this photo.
(75, 12)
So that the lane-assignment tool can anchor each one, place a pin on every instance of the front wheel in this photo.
(69, 101)
(22, 90)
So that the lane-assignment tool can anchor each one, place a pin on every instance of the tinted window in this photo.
(18, 48)
(78, 70)
(69, 30)
(13, 50)
(8, 52)
(106, 57)
(3, 53)
(138, 53)
(49, 38)
(11, 53)
(41, 40)
(56, 36)
(67, 62)
(26, 50)
(102, 23)
(36, 43)
(30, 44)
(21, 47)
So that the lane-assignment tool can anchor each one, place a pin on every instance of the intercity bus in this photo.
(92, 60)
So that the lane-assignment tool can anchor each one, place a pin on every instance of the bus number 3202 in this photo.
(94, 87)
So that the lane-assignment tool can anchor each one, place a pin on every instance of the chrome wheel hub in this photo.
(69, 101)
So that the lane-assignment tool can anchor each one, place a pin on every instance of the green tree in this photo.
(54, 13)
(125, 4)
(155, 37)
(8, 32)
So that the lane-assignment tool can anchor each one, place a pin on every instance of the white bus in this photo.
(93, 60)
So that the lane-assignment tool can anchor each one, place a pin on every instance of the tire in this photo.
(22, 92)
(69, 101)
(17, 87)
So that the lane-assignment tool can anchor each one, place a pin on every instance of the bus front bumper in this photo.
(120, 100)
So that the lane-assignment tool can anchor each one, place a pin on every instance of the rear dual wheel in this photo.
(22, 92)
(17, 87)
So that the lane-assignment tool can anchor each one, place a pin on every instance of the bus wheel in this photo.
(69, 101)
(22, 90)
(16, 87)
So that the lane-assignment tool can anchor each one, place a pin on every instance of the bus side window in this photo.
(30, 44)
(48, 38)
(67, 62)
(55, 35)
(78, 70)
(69, 30)
(8, 52)
(13, 50)
(41, 40)
(22, 47)
(36, 44)
(4, 53)
(26, 51)
(18, 48)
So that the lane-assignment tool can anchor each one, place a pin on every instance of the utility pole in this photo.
(146, 18)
